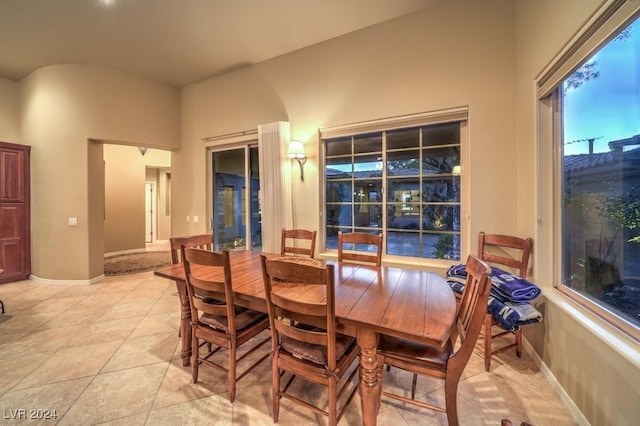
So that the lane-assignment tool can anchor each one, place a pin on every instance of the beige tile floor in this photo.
(108, 353)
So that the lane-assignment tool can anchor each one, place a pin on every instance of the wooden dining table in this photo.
(370, 301)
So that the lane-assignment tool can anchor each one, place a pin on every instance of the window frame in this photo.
(246, 141)
(459, 115)
(603, 26)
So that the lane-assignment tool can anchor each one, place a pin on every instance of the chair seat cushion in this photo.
(415, 352)
(316, 353)
(244, 318)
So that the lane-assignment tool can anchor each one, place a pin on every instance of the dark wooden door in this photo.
(15, 235)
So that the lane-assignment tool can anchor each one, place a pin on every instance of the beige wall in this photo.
(62, 108)
(597, 366)
(9, 111)
(126, 172)
(455, 54)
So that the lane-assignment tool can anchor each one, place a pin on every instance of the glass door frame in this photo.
(246, 145)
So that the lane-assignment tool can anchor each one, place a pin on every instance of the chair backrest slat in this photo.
(290, 306)
(284, 327)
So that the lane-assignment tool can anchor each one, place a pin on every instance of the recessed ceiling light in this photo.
(107, 2)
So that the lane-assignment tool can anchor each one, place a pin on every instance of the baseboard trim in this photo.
(115, 253)
(137, 250)
(551, 379)
(66, 282)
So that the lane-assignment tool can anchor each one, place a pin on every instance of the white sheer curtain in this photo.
(275, 182)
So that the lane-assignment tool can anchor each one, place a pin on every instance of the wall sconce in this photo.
(143, 149)
(457, 170)
(296, 152)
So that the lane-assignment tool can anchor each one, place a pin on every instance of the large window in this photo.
(596, 132)
(401, 182)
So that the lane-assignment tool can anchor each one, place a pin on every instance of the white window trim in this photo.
(598, 31)
(399, 122)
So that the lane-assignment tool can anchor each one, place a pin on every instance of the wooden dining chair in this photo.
(301, 303)
(216, 319)
(512, 252)
(362, 247)
(445, 362)
(203, 241)
(298, 242)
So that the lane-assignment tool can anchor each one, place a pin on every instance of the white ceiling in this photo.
(176, 41)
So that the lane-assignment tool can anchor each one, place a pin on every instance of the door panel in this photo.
(12, 189)
(15, 234)
(12, 235)
(235, 209)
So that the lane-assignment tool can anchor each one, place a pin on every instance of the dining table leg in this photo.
(185, 323)
(370, 378)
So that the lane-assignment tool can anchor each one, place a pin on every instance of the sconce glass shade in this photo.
(457, 170)
(143, 149)
(296, 150)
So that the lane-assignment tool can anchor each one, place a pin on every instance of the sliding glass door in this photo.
(236, 199)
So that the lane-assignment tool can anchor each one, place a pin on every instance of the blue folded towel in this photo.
(510, 316)
(505, 286)
(513, 288)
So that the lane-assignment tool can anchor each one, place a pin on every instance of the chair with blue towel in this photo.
(495, 250)
(509, 304)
